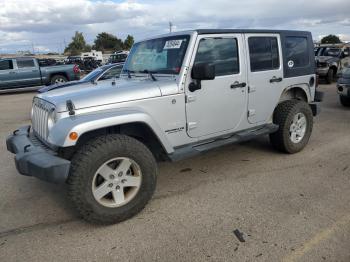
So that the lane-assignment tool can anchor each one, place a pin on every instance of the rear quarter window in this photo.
(297, 54)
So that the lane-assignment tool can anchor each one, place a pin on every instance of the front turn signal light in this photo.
(73, 136)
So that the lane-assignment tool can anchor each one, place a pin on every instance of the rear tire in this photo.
(97, 173)
(345, 101)
(58, 79)
(295, 121)
(330, 76)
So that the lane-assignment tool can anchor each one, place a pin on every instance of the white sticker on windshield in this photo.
(172, 44)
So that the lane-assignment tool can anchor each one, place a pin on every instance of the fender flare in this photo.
(59, 134)
(304, 87)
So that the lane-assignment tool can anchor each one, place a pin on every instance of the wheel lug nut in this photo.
(120, 174)
(110, 185)
(117, 187)
(123, 181)
(111, 176)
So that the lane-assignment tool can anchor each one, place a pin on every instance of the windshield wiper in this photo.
(150, 74)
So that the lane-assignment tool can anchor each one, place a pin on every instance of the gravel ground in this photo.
(289, 207)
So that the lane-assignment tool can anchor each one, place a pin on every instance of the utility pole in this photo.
(33, 48)
(170, 27)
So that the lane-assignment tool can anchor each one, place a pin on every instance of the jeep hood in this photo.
(108, 92)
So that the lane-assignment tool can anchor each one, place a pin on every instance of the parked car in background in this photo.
(343, 87)
(118, 57)
(86, 64)
(101, 73)
(97, 55)
(328, 61)
(48, 62)
(26, 72)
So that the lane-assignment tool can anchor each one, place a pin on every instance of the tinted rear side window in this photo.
(297, 53)
(6, 65)
(221, 52)
(23, 63)
(263, 52)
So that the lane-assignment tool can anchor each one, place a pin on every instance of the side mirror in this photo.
(201, 71)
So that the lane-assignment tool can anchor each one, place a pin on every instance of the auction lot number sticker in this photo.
(172, 44)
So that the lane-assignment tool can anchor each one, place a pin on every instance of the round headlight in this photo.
(51, 119)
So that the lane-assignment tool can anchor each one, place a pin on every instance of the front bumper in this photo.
(35, 159)
(343, 90)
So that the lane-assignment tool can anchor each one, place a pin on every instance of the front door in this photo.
(220, 105)
(265, 75)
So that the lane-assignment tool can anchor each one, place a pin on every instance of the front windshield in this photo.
(161, 55)
(326, 51)
(92, 75)
(333, 52)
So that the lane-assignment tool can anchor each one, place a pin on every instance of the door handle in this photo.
(275, 79)
(12, 73)
(238, 85)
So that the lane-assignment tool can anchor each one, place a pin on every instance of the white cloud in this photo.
(50, 23)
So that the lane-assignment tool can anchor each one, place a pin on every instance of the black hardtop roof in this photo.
(241, 31)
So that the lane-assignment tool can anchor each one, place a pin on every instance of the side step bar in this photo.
(203, 146)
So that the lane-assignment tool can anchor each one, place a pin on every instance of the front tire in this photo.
(330, 76)
(345, 101)
(112, 178)
(295, 121)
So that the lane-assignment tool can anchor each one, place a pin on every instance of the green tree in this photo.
(107, 42)
(77, 45)
(128, 42)
(330, 39)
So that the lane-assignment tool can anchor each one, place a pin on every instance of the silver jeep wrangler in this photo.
(179, 95)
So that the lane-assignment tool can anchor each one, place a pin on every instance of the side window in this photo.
(221, 52)
(297, 52)
(6, 64)
(263, 53)
(23, 63)
(111, 73)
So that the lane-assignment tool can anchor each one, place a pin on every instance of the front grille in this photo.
(40, 113)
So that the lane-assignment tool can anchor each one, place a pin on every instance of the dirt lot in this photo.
(289, 207)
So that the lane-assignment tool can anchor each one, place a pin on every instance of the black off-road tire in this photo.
(90, 157)
(330, 76)
(345, 101)
(58, 79)
(283, 117)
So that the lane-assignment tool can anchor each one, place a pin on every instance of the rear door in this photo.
(220, 104)
(265, 75)
(28, 72)
(7, 74)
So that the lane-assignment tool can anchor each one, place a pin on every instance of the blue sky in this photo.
(48, 25)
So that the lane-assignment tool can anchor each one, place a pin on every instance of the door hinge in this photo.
(190, 98)
(251, 112)
(191, 125)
